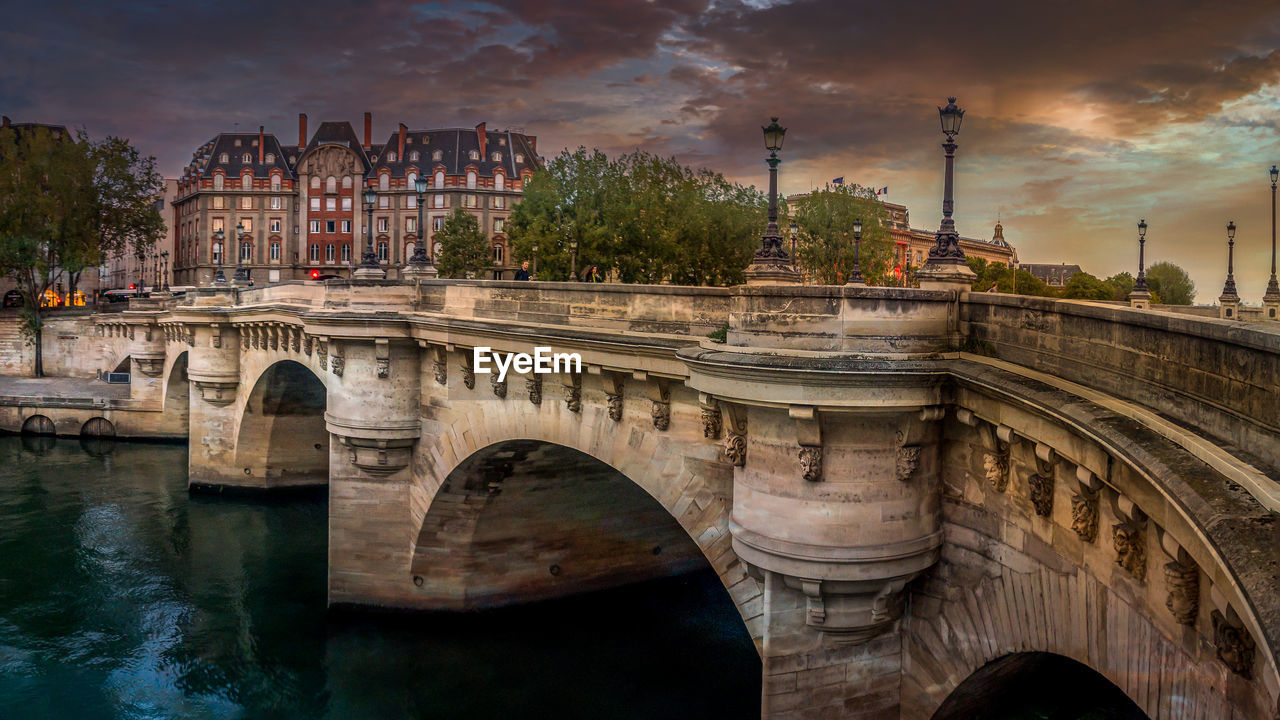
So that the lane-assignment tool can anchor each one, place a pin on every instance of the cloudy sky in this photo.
(1081, 116)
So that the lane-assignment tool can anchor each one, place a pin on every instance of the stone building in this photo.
(153, 269)
(300, 209)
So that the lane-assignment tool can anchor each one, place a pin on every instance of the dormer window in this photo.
(474, 154)
(519, 158)
(224, 158)
(413, 156)
(271, 158)
(237, 142)
(497, 157)
(246, 158)
(391, 156)
(437, 155)
(373, 158)
(502, 142)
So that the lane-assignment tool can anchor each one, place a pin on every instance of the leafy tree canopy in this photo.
(825, 239)
(1172, 283)
(464, 249)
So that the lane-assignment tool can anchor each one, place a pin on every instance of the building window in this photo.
(409, 249)
(346, 182)
(246, 158)
(217, 253)
(217, 181)
(384, 182)
(315, 182)
(469, 201)
(413, 156)
(497, 253)
(315, 204)
(346, 204)
(330, 226)
(499, 181)
(315, 252)
(439, 201)
(498, 224)
(275, 226)
(218, 202)
(346, 226)
(519, 159)
(224, 158)
(346, 253)
(497, 157)
(384, 201)
(438, 180)
(331, 204)
(217, 225)
(247, 223)
(271, 158)
(437, 223)
(474, 154)
(315, 227)
(410, 179)
(382, 252)
(471, 179)
(411, 201)
(275, 182)
(410, 224)
(499, 202)
(275, 251)
(277, 202)
(437, 155)
(328, 253)
(331, 185)
(391, 156)
(246, 251)
(246, 203)
(382, 224)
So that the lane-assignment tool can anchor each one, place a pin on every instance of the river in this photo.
(122, 596)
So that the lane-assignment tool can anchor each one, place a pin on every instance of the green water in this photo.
(121, 596)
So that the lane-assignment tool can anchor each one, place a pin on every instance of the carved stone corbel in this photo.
(215, 335)
(712, 421)
(1182, 579)
(382, 353)
(1084, 504)
(499, 387)
(274, 334)
(339, 360)
(296, 339)
(573, 392)
(533, 386)
(255, 336)
(244, 336)
(439, 364)
(997, 445)
(322, 351)
(613, 392)
(308, 343)
(1040, 484)
(1234, 644)
(661, 405)
(735, 439)
(809, 438)
(468, 374)
(1129, 538)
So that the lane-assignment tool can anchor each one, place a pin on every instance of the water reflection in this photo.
(123, 597)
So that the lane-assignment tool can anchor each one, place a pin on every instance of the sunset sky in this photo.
(1081, 118)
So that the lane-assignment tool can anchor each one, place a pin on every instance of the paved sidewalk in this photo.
(62, 388)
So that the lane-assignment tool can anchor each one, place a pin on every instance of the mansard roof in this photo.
(208, 157)
(337, 133)
(455, 146)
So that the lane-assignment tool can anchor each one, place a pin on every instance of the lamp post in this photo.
(771, 264)
(242, 273)
(420, 264)
(164, 271)
(1141, 284)
(946, 267)
(1271, 300)
(573, 258)
(855, 275)
(1229, 301)
(219, 249)
(369, 266)
(793, 230)
(534, 274)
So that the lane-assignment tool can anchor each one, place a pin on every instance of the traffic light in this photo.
(132, 286)
(315, 274)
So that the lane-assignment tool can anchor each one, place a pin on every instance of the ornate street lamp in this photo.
(534, 275)
(219, 249)
(793, 230)
(369, 265)
(771, 263)
(946, 248)
(1230, 300)
(164, 271)
(573, 258)
(855, 275)
(1141, 284)
(1271, 300)
(242, 273)
(420, 263)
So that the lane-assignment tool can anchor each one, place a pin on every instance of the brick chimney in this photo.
(368, 130)
(533, 143)
(480, 135)
(262, 141)
(400, 153)
(302, 130)
(6, 121)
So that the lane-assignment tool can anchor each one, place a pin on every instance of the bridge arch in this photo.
(281, 436)
(681, 476)
(177, 389)
(1037, 684)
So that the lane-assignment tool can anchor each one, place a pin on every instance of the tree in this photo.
(825, 239)
(1006, 279)
(65, 204)
(1172, 283)
(464, 249)
(1121, 285)
(647, 218)
(1083, 286)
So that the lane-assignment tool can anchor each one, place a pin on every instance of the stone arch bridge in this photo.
(897, 487)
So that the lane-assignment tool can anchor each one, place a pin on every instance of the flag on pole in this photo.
(882, 191)
(838, 181)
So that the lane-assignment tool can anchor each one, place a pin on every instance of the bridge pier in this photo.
(213, 367)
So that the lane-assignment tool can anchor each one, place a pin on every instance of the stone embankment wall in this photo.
(72, 347)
